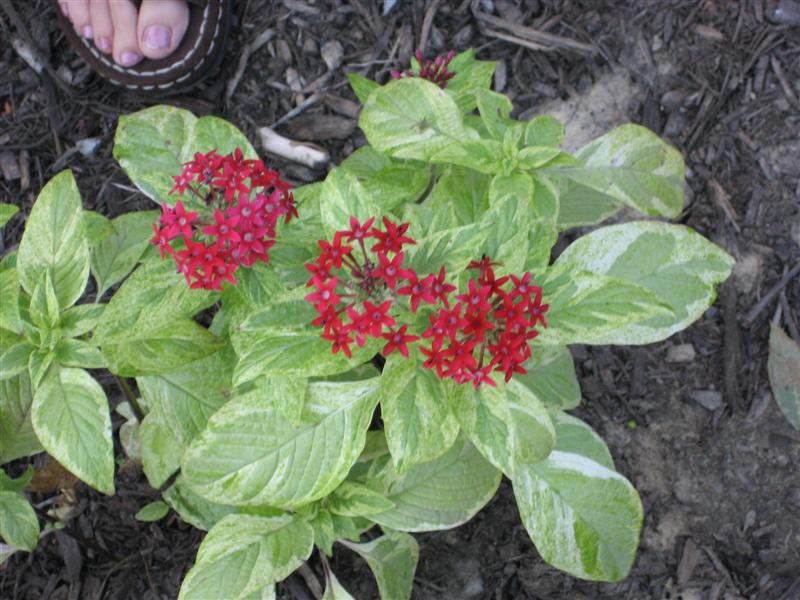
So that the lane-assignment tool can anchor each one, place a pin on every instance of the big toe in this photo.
(161, 27)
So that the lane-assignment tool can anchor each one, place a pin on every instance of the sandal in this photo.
(198, 54)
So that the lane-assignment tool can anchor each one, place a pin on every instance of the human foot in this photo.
(117, 27)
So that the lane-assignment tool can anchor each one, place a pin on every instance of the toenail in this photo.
(64, 9)
(87, 32)
(104, 44)
(157, 37)
(128, 59)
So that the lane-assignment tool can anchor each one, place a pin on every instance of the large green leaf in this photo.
(70, 417)
(590, 308)
(507, 423)
(147, 328)
(441, 494)
(151, 145)
(784, 373)
(454, 248)
(55, 241)
(244, 553)
(279, 340)
(393, 560)
(583, 517)
(115, 256)
(551, 377)
(674, 263)
(418, 424)
(633, 165)
(544, 130)
(250, 455)
(17, 438)
(362, 87)
(412, 118)
(19, 526)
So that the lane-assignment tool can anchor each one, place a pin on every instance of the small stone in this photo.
(708, 399)
(332, 53)
(88, 146)
(787, 12)
(680, 353)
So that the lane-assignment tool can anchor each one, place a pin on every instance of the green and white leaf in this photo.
(333, 589)
(183, 399)
(412, 118)
(355, 500)
(441, 494)
(77, 353)
(471, 76)
(388, 183)
(116, 255)
(244, 553)
(17, 437)
(9, 307)
(551, 377)
(70, 417)
(194, 509)
(675, 264)
(579, 205)
(634, 166)
(393, 560)
(418, 424)
(544, 130)
(783, 366)
(249, 455)
(19, 526)
(343, 197)
(147, 328)
(15, 360)
(583, 517)
(279, 340)
(160, 450)
(55, 241)
(80, 319)
(152, 144)
(576, 437)
(591, 308)
(507, 424)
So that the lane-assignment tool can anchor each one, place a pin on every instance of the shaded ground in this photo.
(718, 471)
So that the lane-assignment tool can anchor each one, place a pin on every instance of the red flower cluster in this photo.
(245, 201)
(487, 330)
(434, 71)
(471, 335)
(354, 291)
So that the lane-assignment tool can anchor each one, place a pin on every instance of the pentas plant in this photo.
(436, 70)
(404, 349)
(244, 202)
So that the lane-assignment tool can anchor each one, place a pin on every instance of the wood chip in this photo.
(310, 155)
(332, 53)
(721, 199)
(689, 561)
(708, 399)
(9, 166)
(318, 128)
(708, 32)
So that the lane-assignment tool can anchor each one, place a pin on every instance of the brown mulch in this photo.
(700, 437)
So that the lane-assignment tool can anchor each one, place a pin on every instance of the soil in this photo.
(691, 421)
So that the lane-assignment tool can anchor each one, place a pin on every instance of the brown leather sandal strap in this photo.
(197, 54)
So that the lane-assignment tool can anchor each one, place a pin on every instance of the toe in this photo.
(101, 24)
(125, 46)
(78, 12)
(162, 24)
